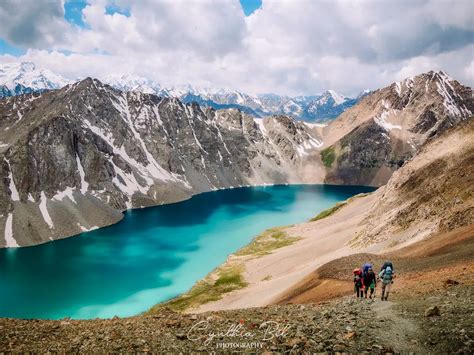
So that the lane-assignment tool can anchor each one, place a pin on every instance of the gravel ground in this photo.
(343, 325)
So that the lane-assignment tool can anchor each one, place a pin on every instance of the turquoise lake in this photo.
(152, 255)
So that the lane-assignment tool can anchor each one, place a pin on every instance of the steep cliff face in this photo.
(72, 159)
(374, 138)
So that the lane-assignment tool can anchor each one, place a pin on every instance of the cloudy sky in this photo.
(288, 47)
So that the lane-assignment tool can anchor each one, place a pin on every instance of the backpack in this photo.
(387, 264)
(358, 280)
(387, 275)
(357, 277)
(366, 267)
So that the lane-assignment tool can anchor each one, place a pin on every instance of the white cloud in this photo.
(32, 23)
(291, 47)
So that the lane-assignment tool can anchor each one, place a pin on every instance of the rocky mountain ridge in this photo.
(371, 140)
(74, 158)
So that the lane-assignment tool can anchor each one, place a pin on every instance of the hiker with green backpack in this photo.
(386, 275)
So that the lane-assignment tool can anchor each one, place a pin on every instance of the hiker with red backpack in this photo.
(358, 283)
(386, 275)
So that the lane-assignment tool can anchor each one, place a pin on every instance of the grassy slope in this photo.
(333, 209)
(328, 156)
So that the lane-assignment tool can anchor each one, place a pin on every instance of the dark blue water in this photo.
(152, 255)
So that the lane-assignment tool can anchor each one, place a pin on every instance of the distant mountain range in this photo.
(21, 78)
(313, 108)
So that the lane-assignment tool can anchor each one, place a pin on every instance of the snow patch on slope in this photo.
(84, 183)
(68, 192)
(14, 192)
(444, 86)
(44, 211)
(10, 241)
(381, 119)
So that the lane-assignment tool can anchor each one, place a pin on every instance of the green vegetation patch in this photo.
(328, 156)
(336, 207)
(266, 242)
(227, 278)
(329, 211)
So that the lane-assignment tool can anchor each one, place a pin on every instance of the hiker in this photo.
(358, 283)
(370, 282)
(386, 275)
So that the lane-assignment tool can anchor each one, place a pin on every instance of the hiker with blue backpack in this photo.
(369, 279)
(386, 275)
(370, 282)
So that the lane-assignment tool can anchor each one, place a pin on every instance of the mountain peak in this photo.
(338, 98)
(24, 77)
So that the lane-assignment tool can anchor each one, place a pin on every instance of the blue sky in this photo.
(287, 46)
(249, 6)
(6, 48)
(73, 12)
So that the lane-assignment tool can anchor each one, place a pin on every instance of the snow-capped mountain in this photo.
(314, 108)
(327, 106)
(22, 78)
(133, 83)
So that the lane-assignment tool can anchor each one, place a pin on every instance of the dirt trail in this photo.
(397, 332)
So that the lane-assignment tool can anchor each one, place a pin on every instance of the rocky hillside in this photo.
(432, 193)
(374, 138)
(72, 159)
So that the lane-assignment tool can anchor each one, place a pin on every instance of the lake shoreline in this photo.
(177, 244)
(270, 287)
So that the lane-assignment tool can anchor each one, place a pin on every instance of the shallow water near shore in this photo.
(152, 255)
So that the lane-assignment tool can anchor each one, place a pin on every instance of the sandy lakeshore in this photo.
(271, 275)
